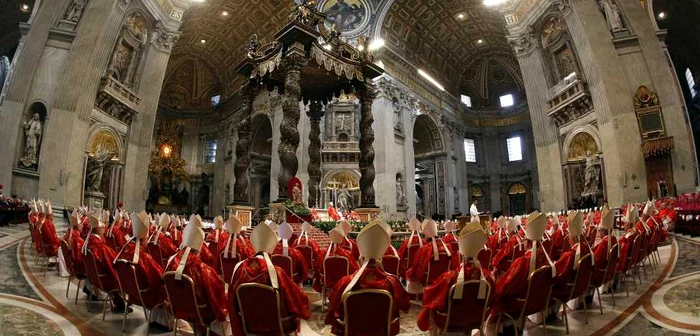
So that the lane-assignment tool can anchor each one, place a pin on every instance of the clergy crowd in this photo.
(240, 281)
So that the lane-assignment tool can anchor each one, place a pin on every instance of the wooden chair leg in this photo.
(77, 290)
(566, 318)
(585, 308)
(600, 303)
(70, 277)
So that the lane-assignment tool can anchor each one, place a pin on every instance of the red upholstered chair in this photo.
(547, 245)
(390, 264)
(156, 253)
(536, 299)
(284, 262)
(630, 268)
(578, 287)
(133, 287)
(212, 246)
(603, 274)
(65, 251)
(368, 312)
(308, 253)
(454, 319)
(412, 250)
(255, 303)
(484, 257)
(111, 242)
(228, 264)
(95, 278)
(437, 268)
(334, 269)
(184, 305)
(642, 255)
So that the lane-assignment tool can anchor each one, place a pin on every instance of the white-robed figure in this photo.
(473, 211)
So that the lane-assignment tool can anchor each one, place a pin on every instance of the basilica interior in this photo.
(367, 112)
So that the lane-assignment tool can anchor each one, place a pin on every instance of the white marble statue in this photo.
(32, 137)
(612, 14)
(400, 192)
(592, 174)
(95, 168)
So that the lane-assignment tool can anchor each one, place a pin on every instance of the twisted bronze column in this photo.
(314, 168)
(366, 147)
(289, 134)
(241, 195)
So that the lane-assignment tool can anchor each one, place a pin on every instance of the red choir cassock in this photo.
(435, 296)
(104, 257)
(513, 284)
(176, 235)
(49, 238)
(209, 287)
(167, 248)
(600, 255)
(254, 269)
(419, 268)
(565, 268)
(85, 228)
(557, 238)
(305, 241)
(119, 236)
(149, 272)
(503, 258)
(321, 256)
(75, 242)
(300, 268)
(497, 240)
(333, 214)
(414, 239)
(625, 243)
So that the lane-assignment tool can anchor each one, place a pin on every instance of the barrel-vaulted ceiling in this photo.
(446, 38)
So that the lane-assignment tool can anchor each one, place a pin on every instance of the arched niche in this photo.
(583, 168)
(105, 138)
(262, 135)
(337, 184)
(129, 50)
(427, 137)
(33, 129)
(557, 49)
(518, 198)
(579, 142)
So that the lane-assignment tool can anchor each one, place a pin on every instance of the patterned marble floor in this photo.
(34, 303)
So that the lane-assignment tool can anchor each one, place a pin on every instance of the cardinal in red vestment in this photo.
(412, 240)
(568, 263)
(450, 239)
(433, 252)
(161, 239)
(601, 251)
(85, 222)
(209, 287)
(234, 247)
(75, 242)
(373, 241)
(332, 212)
(347, 243)
(627, 239)
(258, 268)
(471, 240)
(500, 236)
(104, 257)
(147, 268)
(217, 236)
(305, 240)
(512, 249)
(512, 285)
(556, 235)
(336, 237)
(175, 230)
(47, 230)
(300, 269)
(115, 232)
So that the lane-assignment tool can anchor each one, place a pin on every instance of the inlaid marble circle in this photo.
(21, 321)
(684, 298)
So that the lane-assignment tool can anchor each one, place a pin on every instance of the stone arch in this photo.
(516, 188)
(427, 137)
(583, 136)
(343, 174)
(107, 137)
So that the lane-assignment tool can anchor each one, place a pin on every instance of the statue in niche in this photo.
(397, 115)
(400, 192)
(612, 14)
(456, 193)
(591, 175)
(32, 137)
(95, 168)
(120, 63)
(344, 200)
(342, 123)
(567, 65)
(75, 10)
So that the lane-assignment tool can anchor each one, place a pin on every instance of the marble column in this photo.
(314, 168)
(289, 133)
(241, 195)
(366, 147)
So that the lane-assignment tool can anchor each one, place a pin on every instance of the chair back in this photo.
(255, 302)
(155, 252)
(412, 250)
(583, 276)
(284, 262)
(368, 312)
(539, 288)
(111, 242)
(65, 251)
(92, 271)
(455, 319)
(308, 253)
(390, 264)
(613, 259)
(183, 299)
(437, 268)
(453, 246)
(566, 245)
(334, 269)
(129, 283)
(633, 254)
(484, 257)
(228, 264)
(44, 243)
(547, 245)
